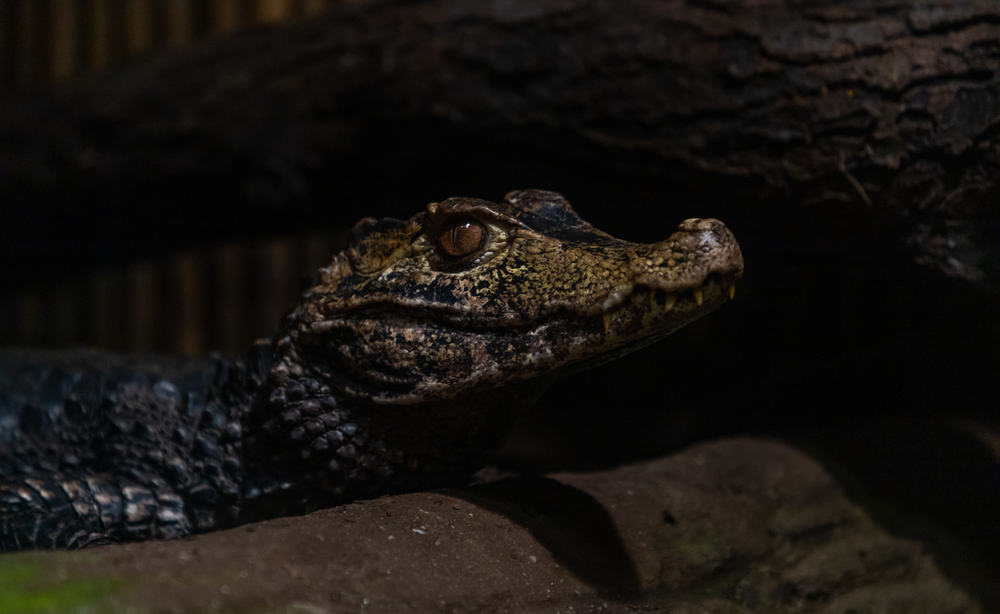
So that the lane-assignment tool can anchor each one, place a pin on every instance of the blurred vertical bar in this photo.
(201, 18)
(138, 27)
(8, 324)
(84, 39)
(63, 36)
(101, 19)
(273, 290)
(7, 29)
(188, 334)
(312, 7)
(105, 303)
(26, 18)
(142, 307)
(157, 20)
(230, 300)
(179, 22)
(270, 11)
(48, 40)
(30, 316)
(64, 301)
(226, 15)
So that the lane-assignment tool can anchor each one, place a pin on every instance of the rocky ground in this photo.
(730, 526)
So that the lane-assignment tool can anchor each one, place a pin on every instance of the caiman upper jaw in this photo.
(685, 259)
(701, 251)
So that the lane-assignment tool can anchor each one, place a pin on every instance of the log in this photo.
(888, 113)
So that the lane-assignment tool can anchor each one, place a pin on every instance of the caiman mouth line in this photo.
(654, 300)
(643, 301)
(687, 304)
(664, 295)
(661, 300)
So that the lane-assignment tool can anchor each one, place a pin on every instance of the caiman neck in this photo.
(312, 445)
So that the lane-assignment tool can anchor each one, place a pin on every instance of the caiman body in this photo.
(402, 367)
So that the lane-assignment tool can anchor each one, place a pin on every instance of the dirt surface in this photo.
(736, 525)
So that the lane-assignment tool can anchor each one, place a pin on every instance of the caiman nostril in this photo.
(709, 235)
(697, 224)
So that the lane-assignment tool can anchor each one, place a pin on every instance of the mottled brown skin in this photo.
(401, 368)
(546, 291)
(437, 356)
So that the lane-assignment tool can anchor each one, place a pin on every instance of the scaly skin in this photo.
(401, 368)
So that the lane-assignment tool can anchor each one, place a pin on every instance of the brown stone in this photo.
(734, 525)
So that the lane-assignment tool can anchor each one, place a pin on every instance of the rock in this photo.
(734, 525)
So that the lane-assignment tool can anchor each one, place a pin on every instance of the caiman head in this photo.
(439, 329)
(471, 295)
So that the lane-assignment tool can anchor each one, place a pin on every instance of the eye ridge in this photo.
(461, 237)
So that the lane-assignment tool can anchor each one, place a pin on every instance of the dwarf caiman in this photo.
(402, 366)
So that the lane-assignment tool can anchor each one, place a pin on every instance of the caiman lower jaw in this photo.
(665, 294)
(642, 317)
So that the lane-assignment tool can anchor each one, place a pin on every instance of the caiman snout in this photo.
(711, 239)
(699, 248)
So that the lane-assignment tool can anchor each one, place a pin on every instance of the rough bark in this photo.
(887, 108)
(733, 526)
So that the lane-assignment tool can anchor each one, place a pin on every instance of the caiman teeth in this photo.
(663, 300)
(616, 296)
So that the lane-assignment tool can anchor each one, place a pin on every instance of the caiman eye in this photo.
(461, 238)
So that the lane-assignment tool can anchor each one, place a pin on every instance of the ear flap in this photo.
(376, 243)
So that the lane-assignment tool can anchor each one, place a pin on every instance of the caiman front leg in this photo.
(76, 512)
(120, 461)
